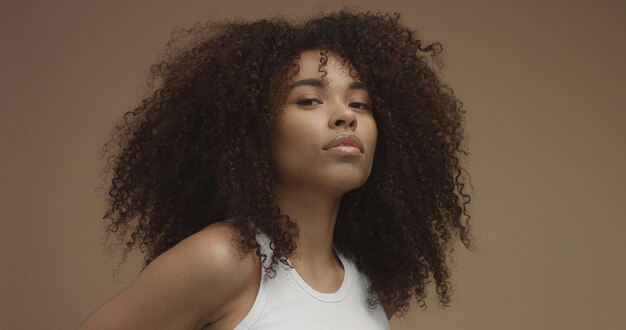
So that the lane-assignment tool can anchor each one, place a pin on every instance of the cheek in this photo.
(371, 138)
(287, 133)
(300, 127)
(295, 136)
(372, 133)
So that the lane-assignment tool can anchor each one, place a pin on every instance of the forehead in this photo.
(334, 68)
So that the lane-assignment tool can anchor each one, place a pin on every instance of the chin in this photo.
(348, 183)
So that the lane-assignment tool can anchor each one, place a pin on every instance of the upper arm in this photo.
(183, 288)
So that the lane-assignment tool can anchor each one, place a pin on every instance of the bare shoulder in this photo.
(185, 287)
(212, 254)
(217, 256)
(213, 244)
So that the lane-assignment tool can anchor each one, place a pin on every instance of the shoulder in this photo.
(213, 245)
(215, 266)
(211, 253)
(219, 269)
(185, 287)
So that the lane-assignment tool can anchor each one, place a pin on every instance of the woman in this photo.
(288, 176)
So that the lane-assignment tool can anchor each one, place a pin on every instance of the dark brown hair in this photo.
(196, 151)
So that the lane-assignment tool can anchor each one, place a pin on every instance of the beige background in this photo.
(543, 84)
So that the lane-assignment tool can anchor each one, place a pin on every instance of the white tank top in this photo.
(288, 302)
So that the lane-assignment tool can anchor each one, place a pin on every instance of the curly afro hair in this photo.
(222, 81)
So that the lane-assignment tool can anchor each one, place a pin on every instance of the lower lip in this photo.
(346, 150)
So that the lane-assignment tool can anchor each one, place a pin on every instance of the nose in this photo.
(342, 116)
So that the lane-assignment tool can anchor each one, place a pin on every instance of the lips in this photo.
(344, 139)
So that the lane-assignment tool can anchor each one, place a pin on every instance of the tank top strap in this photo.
(264, 242)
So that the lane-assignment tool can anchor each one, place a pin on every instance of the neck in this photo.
(316, 214)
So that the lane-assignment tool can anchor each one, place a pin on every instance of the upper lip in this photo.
(345, 139)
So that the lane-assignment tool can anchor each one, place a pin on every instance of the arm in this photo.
(184, 288)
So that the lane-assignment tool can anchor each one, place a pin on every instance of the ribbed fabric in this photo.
(288, 302)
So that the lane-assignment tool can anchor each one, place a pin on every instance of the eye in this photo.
(308, 103)
(359, 105)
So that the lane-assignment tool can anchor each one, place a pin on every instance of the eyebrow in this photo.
(315, 82)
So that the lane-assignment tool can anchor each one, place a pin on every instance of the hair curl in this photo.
(222, 81)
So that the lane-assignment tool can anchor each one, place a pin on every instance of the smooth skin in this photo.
(204, 282)
(311, 181)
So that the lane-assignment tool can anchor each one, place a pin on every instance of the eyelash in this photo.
(365, 106)
(306, 103)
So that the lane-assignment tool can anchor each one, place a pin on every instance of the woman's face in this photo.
(314, 115)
